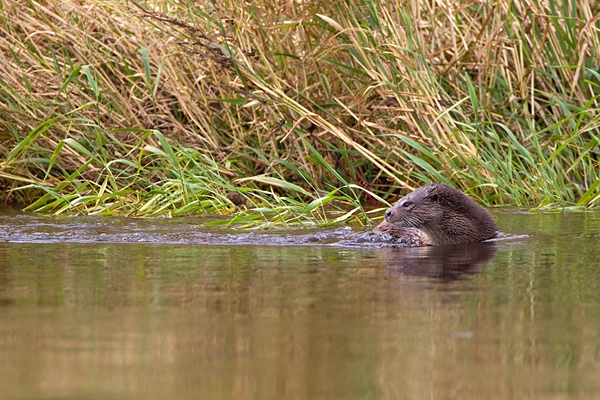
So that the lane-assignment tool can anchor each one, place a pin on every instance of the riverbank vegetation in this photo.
(166, 107)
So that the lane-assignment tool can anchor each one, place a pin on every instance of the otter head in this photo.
(417, 209)
(444, 214)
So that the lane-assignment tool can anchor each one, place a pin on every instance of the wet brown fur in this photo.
(441, 215)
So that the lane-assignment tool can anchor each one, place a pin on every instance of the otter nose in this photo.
(388, 213)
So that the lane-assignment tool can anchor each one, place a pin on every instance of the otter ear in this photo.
(432, 194)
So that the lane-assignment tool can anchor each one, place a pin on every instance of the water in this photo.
(108, 308)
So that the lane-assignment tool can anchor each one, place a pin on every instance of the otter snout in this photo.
(394, 216)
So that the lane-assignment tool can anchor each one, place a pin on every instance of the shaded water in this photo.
(105, 308)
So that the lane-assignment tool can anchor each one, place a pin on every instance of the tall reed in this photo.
(165, 107)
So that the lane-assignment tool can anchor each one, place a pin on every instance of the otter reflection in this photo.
(444, 263)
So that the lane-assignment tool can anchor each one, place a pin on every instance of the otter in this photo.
(437, 214)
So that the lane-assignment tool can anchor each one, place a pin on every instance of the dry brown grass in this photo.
(498, 99)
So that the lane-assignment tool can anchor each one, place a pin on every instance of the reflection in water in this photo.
(105, 320)
(444, 263)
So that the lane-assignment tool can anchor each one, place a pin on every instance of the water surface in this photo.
(110, 308)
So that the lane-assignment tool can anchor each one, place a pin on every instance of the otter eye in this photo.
(407, 204)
